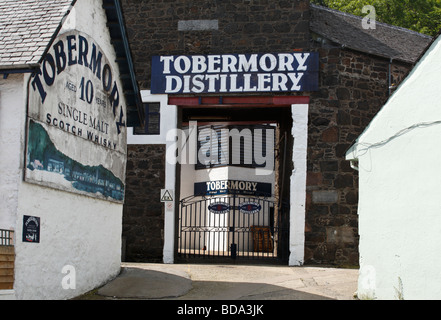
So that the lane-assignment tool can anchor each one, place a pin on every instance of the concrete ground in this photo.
(139, 281)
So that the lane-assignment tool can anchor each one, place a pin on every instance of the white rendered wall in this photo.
(168, 123)
(189, 176)
(298, 184)
(12, 123)
(399, 204)
(77, 231)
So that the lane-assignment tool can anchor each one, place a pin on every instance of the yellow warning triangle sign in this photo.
(167, 196)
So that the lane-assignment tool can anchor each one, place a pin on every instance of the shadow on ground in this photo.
(141, 284)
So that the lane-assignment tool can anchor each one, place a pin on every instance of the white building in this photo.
(63, 118)
(398, 159)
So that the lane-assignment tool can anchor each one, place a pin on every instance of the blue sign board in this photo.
(232, 186)
(235, 73)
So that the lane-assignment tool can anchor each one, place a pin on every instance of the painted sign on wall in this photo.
(76, 128)
(235, 73)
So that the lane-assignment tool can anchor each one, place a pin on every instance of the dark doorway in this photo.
(230, 225)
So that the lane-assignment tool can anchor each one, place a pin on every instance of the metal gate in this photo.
(233, 226)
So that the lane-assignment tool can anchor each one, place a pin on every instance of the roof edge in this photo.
(352, 153)
(344, 46)
(57, 31)
(391, 26)
(114, 6)
(15, 67)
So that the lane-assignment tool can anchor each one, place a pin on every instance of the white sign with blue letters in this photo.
(76, 137)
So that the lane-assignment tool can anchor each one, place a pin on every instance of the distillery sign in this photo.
(232, 186)
(235, 73)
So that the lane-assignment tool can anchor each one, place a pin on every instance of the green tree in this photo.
(419, 15)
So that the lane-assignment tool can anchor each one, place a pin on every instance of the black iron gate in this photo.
(233, 226)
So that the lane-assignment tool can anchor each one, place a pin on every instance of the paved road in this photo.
(229, 282)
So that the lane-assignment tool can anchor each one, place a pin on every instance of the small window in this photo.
(152, 120)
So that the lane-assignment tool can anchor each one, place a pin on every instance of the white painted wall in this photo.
(190, 176)
(399, 176)
(12, 123)
(76, 230)
(298, 184)
(12, 119)
(168, 123)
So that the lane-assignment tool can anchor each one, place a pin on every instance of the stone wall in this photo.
(160, 27)
(143, 216)
(165, 27)
(353, 87)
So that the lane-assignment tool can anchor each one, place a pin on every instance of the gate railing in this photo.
(234, 226)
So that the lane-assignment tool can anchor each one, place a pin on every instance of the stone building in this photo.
(359, 70)
(315, 122)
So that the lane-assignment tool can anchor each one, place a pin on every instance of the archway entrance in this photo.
(234, 199)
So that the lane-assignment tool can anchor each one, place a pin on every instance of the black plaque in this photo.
(31, 229)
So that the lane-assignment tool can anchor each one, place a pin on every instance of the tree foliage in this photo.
(419, 15)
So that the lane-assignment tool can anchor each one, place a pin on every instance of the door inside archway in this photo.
(233, 198)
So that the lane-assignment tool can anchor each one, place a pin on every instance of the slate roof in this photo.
(26, 28)
(386, 40)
